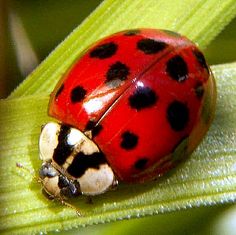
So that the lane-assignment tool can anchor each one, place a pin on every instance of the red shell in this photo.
(147, 95)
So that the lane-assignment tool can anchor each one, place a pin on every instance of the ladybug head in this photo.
(72, 163)
(56, 185)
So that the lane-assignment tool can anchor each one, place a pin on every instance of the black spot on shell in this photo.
(63, 149)
(199, 90)
(143, 97)
(132, 32)
(104, 51)
(177, 68)
(82, 162)
(77, 94)
(201, 59)
(129, 140)
(59, 91)
(117, 73)
(177, 115)
(150, 46)
(141, 163)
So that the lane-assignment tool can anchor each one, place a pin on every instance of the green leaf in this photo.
(200, 20)
(218, 220)
(208, 177)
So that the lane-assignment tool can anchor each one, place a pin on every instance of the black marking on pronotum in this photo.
(177, 115)
(132, 32)
(77, 94)
(83, 162)
(63, 149)
(59, 91)
(177, 68)
(141, 163)
(143, 97)
(201, 59)
(150, 46)
(129, 140)
(104, 51)
(117, 73)
(199, 90)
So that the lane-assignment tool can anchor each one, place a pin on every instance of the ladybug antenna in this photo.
(37, 179)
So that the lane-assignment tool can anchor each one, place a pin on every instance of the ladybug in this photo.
(133, 106)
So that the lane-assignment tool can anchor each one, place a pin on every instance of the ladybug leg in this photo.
(114, 185)
(63, 202)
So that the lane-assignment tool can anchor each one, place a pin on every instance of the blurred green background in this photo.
(41, 25)
(30, 30)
